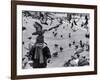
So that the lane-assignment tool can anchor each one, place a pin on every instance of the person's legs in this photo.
(36, 64)
(42, 65)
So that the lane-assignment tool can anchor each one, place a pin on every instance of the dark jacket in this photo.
(46, 55)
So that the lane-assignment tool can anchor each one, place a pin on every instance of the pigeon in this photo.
(29, 38)
(56, 45)
(55, 54)
(61, 49)
(61, 36)
(23, 28)
(69, 44)
(23, 42)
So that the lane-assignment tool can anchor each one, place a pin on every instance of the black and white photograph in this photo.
(55, 39)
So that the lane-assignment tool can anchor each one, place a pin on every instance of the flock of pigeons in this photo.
(76, 59)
